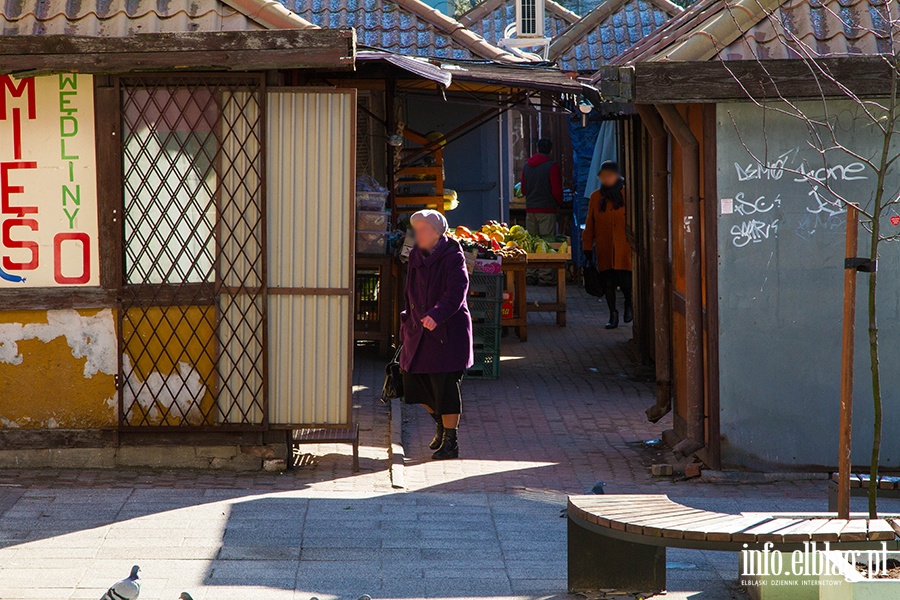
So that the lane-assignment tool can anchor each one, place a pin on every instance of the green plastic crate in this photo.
(486, 287)
(484, 312)
(486, 366)
(486, 339)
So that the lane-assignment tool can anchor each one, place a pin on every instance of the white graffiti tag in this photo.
(745, 207)
(753, 231)
(822, 205)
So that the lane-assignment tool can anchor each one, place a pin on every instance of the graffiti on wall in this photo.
(48, 195)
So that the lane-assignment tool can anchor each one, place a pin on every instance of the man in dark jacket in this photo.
(542, 188)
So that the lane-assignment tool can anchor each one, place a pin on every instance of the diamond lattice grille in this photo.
(192, 317)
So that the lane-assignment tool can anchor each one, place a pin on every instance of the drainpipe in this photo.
(659, 260)
(693, 299)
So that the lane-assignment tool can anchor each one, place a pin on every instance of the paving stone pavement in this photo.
(567, 412)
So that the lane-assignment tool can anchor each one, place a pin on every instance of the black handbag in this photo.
(393, 379)
(593, 284)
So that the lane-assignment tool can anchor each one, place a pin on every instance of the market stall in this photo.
(510, 251)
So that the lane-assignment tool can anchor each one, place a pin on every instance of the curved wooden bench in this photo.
(619, 542)
(888, 487)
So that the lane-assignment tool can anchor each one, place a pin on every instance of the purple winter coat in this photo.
(437, 286)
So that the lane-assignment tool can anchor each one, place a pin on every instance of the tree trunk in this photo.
(876, 389)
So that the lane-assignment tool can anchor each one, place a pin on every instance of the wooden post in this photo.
(847, 343)
(659, 260)
(693, 286)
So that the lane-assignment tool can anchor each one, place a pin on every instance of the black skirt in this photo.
(438, 391)
(617, 278)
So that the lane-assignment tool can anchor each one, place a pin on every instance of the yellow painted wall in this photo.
(170, 365)
(57, 369)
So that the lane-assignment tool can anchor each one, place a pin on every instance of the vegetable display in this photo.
(512, 243)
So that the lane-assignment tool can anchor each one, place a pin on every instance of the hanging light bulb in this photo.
(395, 140)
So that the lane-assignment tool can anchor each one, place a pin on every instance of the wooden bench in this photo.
(619, 542)
(888, 487)
(330, 435)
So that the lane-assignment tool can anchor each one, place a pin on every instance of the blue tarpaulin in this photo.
(592, 144)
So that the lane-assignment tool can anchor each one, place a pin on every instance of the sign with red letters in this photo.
(48, 182)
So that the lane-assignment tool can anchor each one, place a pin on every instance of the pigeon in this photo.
(127, 589)
(185, 596)
(598, 488)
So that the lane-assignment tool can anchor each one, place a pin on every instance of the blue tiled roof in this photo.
(626, 25)
(492, 26)
(381, 24)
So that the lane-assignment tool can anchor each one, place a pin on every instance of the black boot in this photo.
(628, 316)
(438, 432)
(613, 320)
(449, 447)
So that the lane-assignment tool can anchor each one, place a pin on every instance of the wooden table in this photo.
(514, 273)
(515, 282)
(559, 307)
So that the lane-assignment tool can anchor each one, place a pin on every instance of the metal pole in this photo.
(847, 343)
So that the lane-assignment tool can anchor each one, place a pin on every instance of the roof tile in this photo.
(118, 18)
(617, 26)
(381, 24)
(818, 28)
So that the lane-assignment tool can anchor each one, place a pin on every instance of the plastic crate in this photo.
(486, 339)
(486, 312)
(485, 366)
(371, 200)
(371, 242)
(486, 286)
(372, 220)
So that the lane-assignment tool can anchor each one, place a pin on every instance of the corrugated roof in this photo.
(607, 31)
(491, 18)
(770, 29)
(119, 18)
(406, 27)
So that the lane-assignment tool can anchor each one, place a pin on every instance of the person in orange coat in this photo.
(604, 237)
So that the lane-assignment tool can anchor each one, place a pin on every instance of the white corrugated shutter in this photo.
(310, 219)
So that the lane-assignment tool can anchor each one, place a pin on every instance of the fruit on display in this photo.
(512, 243)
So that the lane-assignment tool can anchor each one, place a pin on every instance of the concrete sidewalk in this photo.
(223, 544)
(566, 413)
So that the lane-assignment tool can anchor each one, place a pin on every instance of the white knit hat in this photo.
(433, 218)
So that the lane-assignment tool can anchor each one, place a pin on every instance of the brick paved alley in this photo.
(566, 412)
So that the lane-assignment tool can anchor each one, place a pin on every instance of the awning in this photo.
(522, 77)
(415, 65)
(519, 77)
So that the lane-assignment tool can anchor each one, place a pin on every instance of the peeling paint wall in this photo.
(169, 361)
(57, 369)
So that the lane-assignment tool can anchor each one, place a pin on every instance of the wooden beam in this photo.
(716, 80)
(56, 298)
(216, 51)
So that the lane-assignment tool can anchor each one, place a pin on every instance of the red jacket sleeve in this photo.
(556, 183)
(522, 182)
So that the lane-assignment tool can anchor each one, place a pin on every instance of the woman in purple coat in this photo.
(436, 329)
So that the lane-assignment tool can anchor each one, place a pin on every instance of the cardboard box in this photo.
(506, 308)
(489, 266)
(471, 258)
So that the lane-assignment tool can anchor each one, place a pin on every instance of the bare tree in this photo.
(880, 114)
